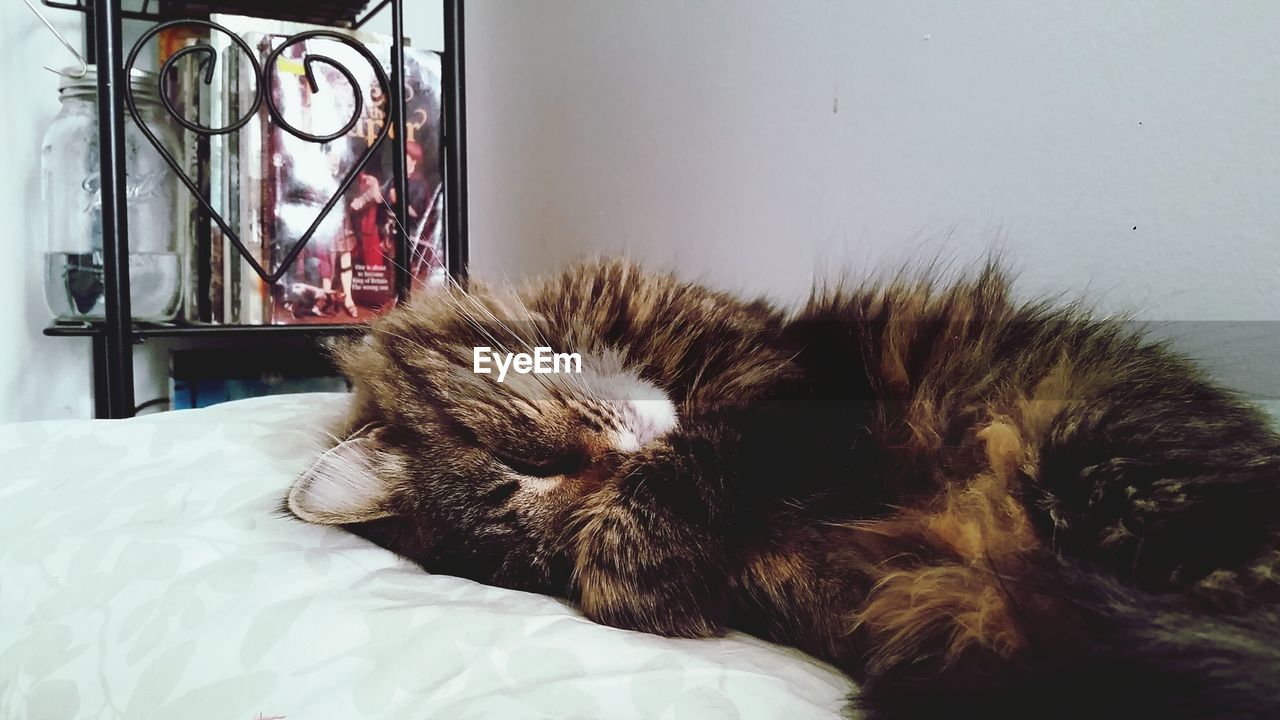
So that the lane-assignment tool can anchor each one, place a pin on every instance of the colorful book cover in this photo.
(346, 271)
(424, 168)
(270, 185)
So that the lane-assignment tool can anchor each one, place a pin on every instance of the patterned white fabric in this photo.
(145, 573)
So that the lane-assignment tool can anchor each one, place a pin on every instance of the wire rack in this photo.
(113, 339)
(344, 13)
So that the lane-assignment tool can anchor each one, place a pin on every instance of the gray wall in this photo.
(1127, 150)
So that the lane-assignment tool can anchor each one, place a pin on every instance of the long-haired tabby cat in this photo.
(969, 504)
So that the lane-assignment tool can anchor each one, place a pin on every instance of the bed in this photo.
(145, 573)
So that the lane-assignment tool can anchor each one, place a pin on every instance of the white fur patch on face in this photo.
(343, 486)
(538, 485)
(645, 421)
(641, 410)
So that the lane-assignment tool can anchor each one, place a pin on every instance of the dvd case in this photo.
(270, 185)
(346, 271)
(183, 87)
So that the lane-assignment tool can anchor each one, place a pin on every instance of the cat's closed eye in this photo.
(570, 463)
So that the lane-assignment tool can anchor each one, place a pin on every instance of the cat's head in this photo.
(468, 474)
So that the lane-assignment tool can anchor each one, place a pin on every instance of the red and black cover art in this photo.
(346, 271)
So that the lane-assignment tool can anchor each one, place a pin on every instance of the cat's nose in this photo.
(644, 421)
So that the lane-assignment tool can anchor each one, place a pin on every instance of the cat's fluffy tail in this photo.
(1106, 652)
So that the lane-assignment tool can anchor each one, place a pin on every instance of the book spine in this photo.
(273, 222)
(188, 209)
(217, 188)
(231, 176)
(250, 176)
(424, 118)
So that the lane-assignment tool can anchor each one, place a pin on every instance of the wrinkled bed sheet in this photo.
(145, 573)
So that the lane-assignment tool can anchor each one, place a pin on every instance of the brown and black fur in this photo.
(968, 503)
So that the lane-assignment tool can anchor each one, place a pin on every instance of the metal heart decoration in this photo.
(207, 65)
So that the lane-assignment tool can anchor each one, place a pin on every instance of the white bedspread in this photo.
(145, 574)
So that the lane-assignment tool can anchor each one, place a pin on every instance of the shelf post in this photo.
(118, 331)
(101, 405)
(455, 136)
(400, 141)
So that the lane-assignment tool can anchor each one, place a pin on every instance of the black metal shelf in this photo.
(176, 330)
(113, 338)
(346, 13)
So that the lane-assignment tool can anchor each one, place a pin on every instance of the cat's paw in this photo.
(641, 566)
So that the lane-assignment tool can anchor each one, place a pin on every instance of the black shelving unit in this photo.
(114, 338)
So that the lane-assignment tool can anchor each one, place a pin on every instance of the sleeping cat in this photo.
(975, 507)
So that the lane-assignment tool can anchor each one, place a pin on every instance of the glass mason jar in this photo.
(69, 184)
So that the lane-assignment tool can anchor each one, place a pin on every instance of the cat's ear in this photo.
(348, 484)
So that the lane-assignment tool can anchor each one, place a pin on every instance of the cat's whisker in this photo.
(533, 322)
(391, 259)
(500, 323)
(448, 279)
(391, 212)
(414, 343)
(448, 295)
(511, 291)
(323, 440)
(556, 378)
(471, 319)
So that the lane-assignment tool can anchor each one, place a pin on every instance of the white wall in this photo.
(50, 377)
(39, 376)
(754, 142)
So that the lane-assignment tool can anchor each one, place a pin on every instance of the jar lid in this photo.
(146, 85)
